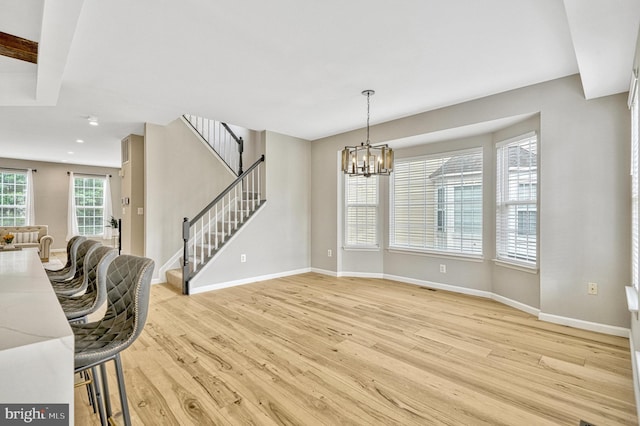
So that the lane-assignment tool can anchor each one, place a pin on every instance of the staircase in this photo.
(209, 231)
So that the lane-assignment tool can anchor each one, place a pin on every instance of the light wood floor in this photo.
(316, 350)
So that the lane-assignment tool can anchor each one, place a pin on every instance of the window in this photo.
(89, 198)
(361, 218)
(436, 203)
(516, 200)
(13, 198)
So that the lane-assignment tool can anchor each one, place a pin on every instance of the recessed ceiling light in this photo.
(70, 152)
(93, 120)
(79, 141)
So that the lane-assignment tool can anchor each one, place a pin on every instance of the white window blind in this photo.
(436, 203)
(361, 212)
(635, 180)
(517, 200)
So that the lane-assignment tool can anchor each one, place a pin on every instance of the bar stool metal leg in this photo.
(91, 394)
(105, 386)
(122, 391)
(101, 410)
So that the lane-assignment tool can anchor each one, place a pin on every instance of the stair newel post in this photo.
(240, 151)
(185, 256)
(259, 185)
(119, 236)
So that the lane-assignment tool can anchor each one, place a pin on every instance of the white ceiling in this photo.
(290, 66)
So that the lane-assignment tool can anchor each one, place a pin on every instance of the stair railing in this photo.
(221, 139)
(205, 234)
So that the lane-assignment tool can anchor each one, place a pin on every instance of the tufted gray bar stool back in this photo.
(128, 287)
(78, 283)
(69, 269)
(95, 270)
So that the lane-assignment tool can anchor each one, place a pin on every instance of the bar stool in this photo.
(76, 308)
(96, 343)
(69, 269)
(78, 283)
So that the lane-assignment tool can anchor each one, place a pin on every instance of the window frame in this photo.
(439, 240)
(15, 206)
(509, 208)
(79, 207)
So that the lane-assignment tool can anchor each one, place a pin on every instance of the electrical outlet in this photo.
(329, 253)
(443, 268)
(243, 258)
(592, 288)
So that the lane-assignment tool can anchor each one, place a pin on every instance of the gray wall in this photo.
(584, 202)
(51, 193)
(182, 177)
(277, 239)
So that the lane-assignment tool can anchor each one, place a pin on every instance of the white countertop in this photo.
(36, 342)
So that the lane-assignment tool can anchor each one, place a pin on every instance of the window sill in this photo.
(632, 299)
(438, 254)
(361, 248)
(516, 266)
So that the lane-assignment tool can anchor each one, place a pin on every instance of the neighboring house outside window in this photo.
(13, 198)
(361, 212)
(517, 200)
(89, 197)
(436, 203)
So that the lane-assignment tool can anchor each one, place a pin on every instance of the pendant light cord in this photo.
(368, 115)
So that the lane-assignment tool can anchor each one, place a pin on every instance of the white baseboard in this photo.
(219, 286)
(585, 325)
(556, 319)
(515, 304)
(361, 274)
(324, 272)
(439, 286)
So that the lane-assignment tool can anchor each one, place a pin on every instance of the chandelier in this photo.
(366, 159)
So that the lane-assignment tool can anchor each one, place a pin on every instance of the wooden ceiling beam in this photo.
(18, 48)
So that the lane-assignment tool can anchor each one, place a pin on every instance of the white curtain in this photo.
(108, 210)
(31, 210)
(72, 219)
